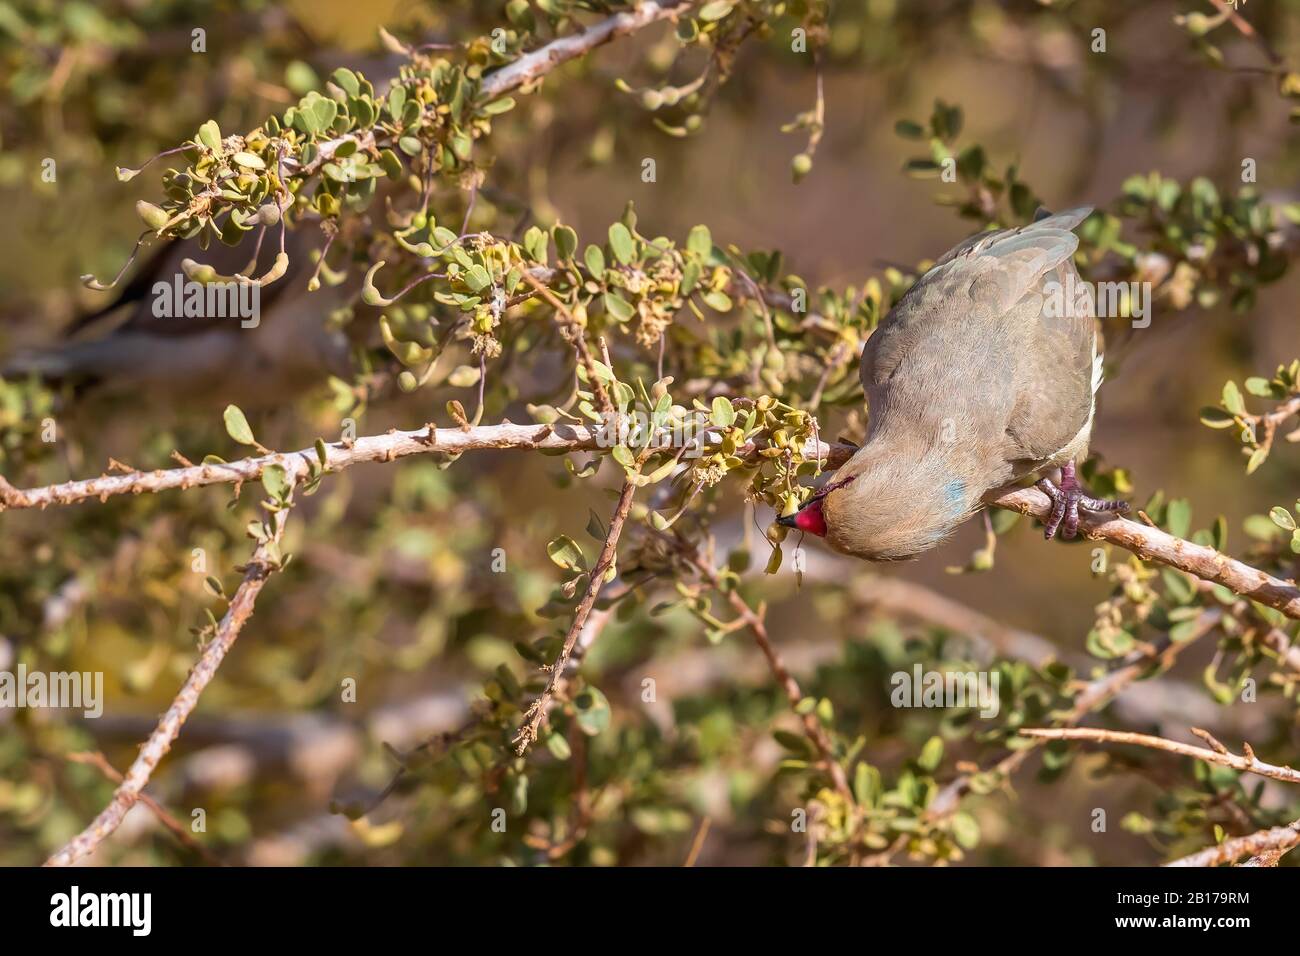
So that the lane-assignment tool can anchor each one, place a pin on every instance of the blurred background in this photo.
(392, 582)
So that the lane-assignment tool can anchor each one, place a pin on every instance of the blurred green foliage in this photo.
(427, 579)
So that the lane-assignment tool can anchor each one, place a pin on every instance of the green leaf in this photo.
(1282, 518)
(795, 743)
(622, 243)
(396, 100)
(1232, 400)
(595, 259)
(346, 79)
(558, 746)
(566, 242)
(722, 414)
(965, 830)
(592, 711)
(237, 426)
(618, 307)
(700, 241)
(1178, 517)
(536, 243)
(1217, 418)
(325, 109)
(564, 551)
(210, 135)
(276, 481)
(717, 300)
(463, 376)
(477, 278)
(867, 785)
(908, 129)
(931, 755)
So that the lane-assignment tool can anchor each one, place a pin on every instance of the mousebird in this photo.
(984, 373)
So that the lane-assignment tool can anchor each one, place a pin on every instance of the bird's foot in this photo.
(1067, 499)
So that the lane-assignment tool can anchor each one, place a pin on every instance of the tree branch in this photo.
(1220, 755)
(1264, 843)
(596, 580)
(1146, 542)
(532, 66)
(1093, 697)
(754, 621)
(97, 760)
(264, 561)
(339, 455)
(1152, 544)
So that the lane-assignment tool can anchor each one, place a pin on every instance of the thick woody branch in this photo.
(339, 455)
(1152, 544)
(1267, 844)
(263, 562)
(1146, 542)
(1219, 755)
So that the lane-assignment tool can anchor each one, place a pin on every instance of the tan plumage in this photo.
(970, 383)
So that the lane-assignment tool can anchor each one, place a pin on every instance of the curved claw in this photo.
(1066, 502)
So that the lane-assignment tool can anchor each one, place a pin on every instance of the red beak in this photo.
(808, 518)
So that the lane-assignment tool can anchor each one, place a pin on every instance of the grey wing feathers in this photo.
(1057, 380)
(986, 274)
(978, 316)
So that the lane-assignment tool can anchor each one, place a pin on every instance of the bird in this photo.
(131, 346)
(981, 375)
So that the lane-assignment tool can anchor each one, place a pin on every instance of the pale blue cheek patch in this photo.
(954, 497)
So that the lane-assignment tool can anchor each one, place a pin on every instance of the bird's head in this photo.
(888, 511)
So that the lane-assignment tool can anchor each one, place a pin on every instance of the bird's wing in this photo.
(975, 318)
(1057, 378)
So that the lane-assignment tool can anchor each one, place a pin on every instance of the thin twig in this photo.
(541, 61)
(576, 335)
(1244, 27)
(1092, 697)
(536, 713)
(93, 758)
(1251, 764)
(264, 561)
(754, 621)
(698, 843)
